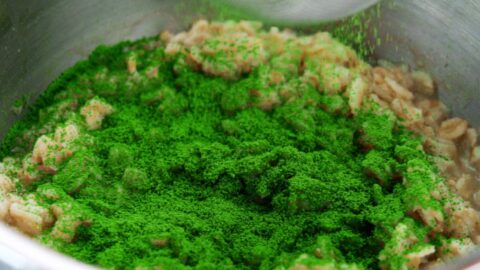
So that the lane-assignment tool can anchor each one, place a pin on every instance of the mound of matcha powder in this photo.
(188, 173)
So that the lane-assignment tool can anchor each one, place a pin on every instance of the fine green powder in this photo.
(188, 173)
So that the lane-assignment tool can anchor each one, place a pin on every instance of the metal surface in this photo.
(443, 37)
(303, 11)
(39, 39)
(18, 252)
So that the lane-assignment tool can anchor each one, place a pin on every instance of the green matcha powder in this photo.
(188, 173)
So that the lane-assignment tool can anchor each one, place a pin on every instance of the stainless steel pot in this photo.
(40, 39)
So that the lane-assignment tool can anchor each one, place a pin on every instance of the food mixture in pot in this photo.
(231, 146)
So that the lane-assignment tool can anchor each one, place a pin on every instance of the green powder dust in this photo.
(188, 173)
(357, 31)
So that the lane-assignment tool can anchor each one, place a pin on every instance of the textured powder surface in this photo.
(190, 172)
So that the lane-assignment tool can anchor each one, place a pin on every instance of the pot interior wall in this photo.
(442, 37)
